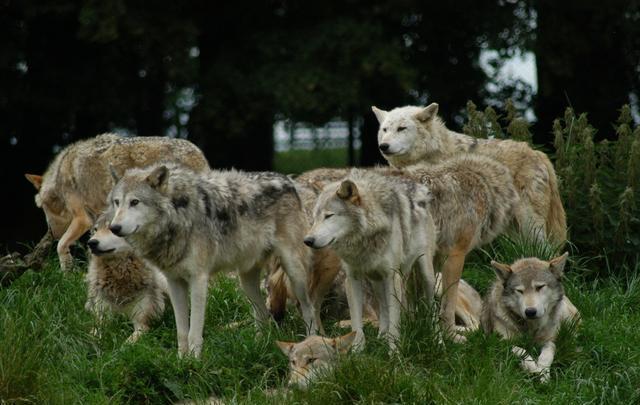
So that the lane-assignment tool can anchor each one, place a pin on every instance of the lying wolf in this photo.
(313, 357)
(118, 281)
(474, 200)
(74, 188)
(410, 135)
(191, 224)
(528, 298)
(379, 226)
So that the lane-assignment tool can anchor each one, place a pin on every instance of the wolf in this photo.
(118, 281)
(410, 135)
(528, 298)
(192, 224)
(74, 188)
(313, 357)
(474, 200)
(379, 226)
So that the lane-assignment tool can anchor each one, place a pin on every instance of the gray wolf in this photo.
(410, 135)
(120, 282)
(379, 226)
(474, 200)
(528, 298)
(190, 225)
(74, 188)
(313, 357)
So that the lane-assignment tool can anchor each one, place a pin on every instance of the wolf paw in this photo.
(66, 262)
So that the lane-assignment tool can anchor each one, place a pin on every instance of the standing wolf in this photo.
(528, 298)
(190, 225)
(74, 188)
(410, 135)
(119, 281)
(474, 200)
(379, 226)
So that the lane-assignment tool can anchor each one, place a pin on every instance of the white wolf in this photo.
(410, 135)
(190, 225)
(118, 281)
(379, 226)
(528, 297)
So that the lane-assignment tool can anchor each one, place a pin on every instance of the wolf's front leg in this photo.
(380, 292)
(395, 296)
(356, 302)
(199, 285)
(297, 273)
(250, 283)
(545, 359)
(425, 264)
(178, 293)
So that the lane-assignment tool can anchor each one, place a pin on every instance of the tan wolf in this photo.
(120, 282)
(528, 298)
(75, 186)
(191, 225)
(313, 357)
(474, 200)
(410, 135)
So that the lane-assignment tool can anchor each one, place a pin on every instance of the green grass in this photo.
(298, 161)
(47, 354)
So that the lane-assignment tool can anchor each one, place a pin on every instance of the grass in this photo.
(47, 354)
(298, 161)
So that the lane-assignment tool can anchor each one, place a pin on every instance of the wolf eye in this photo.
(400, 129)
(519, 290)
(328, 216)
(134, 202)
(116, 202)
(311, 360)
(384, 129)
(540, 287)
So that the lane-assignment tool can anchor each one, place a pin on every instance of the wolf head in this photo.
(134, 198)
(103, 241)
(532, 287)
(408, 134)
(55, 210)
(313, 356)
(335, 214)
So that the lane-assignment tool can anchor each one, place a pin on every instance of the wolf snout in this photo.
(530, 312)
(93, 244)
(384, 147)
(116, 229)
(309, 241)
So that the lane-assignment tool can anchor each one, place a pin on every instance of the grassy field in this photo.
(47, 354)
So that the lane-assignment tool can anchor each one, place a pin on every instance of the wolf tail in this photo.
(556, 221)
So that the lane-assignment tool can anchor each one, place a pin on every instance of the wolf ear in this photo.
(285, 346)
(158, 176)
(556, 265)
(503, 271)
(381, 115)
(35, 180)
(427, 113)
(349, 191)
(343, 343)
(114, 175)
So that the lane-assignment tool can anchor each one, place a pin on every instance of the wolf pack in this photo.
(162, 223)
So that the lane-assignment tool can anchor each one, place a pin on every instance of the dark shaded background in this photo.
(222, 76)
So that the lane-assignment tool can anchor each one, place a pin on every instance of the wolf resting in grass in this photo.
(74, 188)
(191, 224)
(410, 135)
(118, 281)
(528, 298)
(379, 226)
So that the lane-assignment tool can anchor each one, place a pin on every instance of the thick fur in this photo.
(120, 282)
(410, 135)
(74, 188)
(379, 226)
(313, 357)
(528, 298)
(191, 224)
(474, 200)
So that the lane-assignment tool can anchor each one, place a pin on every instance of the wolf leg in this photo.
(380, 292)
(198, 286)
(356, 302)
(250, 283)
(526, 361)
(79, 225)
(451, 274)
(178, 291)
(426, 269)
(395, 295)
(545, 359)
(297, 273)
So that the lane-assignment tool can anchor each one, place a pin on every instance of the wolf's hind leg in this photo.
(297, 273)
(178, 291)
(450, 278)
(79, 225)
(380, 292)
(250, 283)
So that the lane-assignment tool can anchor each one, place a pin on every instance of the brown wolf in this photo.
(75, 186)
(410, 135)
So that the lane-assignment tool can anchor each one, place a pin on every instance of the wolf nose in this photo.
(116, 229)
(93, 244)
(384, 147)
(309, 241)
(530, 312)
